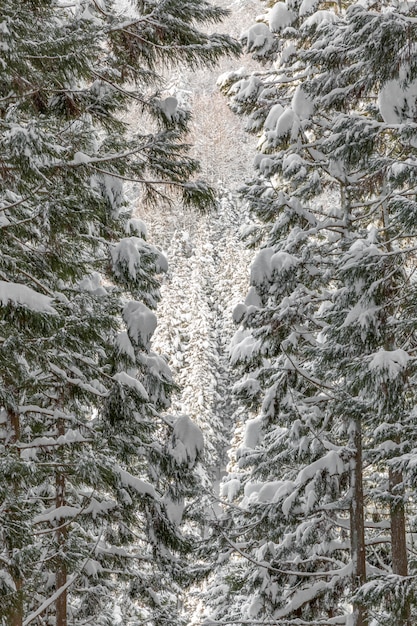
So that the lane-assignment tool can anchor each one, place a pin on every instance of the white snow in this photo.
(255, 605)
(17, 293)
(285, 123)
(239, 312)
(319, 17)
(307, 6)
(288, 502)
(30, 450)
(140, 321)
(124, 379)
(260, 270)
(124, 345)
(127, 254)
(246, 89)
(301, 104)
(92, 568)
(273, 116)
(6, 581)
(361, 314)
(169, 107)
(137, 226)
(242, 347)
(280, 17)
(361, 248)
(249, 387)
(265, 164)
(398, 104)
(112, 188)
(139, 485)
(253, 429)
(331, 462)
(157, 365)
(97, 508)
(93, 284)
(268, 490)
(80, 158)
(291, 163)
(287, 52)
(259, 38)
(393, 362)
(57, 513)
(174, 510)
(282, 261)
(188, 440)
(252, 298)
(230, 489)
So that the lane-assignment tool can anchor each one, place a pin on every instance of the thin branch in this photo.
(18, 202)
(129, 94)
(275, 570)
(61, 590)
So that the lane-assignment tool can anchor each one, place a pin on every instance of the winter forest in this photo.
(208, 313)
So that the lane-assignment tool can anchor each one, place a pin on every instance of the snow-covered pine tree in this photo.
(93, 477)
(354, 129)
(371, 327)
(290, 561)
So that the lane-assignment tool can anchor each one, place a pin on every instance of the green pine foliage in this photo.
(327, 339)
(94, 478)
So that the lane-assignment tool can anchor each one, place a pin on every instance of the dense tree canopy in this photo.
(94, 475)
(100, 486)
(318, 529)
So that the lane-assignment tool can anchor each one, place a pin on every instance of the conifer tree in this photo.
(94, 479)
(324, 354)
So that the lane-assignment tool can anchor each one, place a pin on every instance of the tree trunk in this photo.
(61, 573)
(357, 525)
(398, 535)
(16, 617)
(395, 477)
(16, 614)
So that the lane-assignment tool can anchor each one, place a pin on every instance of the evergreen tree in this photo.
(328, 337)
(94, 479)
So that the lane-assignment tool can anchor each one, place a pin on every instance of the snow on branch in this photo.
(124, 379)
(140, 322)
(18, 294)
(140, 486)
(188, 440)
(390, 362)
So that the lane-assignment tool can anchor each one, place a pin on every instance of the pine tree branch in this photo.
(12, 224)
(129, 94)
(61, 590)
(35, 280)
(144, 181)
(275, 570)
(342, 621)
(21, 201)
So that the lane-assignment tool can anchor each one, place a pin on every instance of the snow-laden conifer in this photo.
(320, 530)
(94, 479)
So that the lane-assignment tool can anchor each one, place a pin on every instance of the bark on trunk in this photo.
(16, 618)
(395, 477)
(357, 525)
(61, 573)
(16, 614)
(398, 535)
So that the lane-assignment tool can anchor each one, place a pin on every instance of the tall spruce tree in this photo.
(94, 478)
(320, 531)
